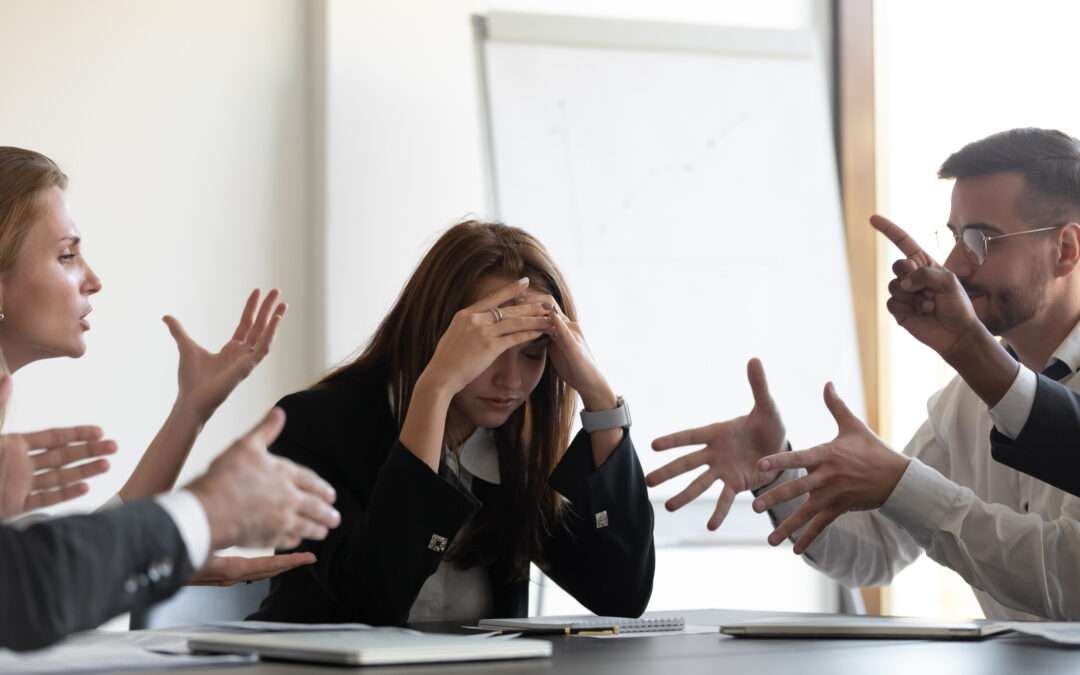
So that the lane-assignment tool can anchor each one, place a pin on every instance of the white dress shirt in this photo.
(184, 508)
(188, 515)
(1014, 538)
(451, 593)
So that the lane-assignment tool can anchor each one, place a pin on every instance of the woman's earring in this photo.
(2, 316)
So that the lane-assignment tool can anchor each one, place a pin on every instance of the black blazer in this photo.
(69, 574)
(371, 567)
(1047, 447)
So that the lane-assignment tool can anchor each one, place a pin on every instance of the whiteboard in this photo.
(684, 179)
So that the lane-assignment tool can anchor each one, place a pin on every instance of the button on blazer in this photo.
(399, 517)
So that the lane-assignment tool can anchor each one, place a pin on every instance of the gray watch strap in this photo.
(615, 418)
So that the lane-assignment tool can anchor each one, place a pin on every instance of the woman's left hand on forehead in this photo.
(571, 357)
(207, 379)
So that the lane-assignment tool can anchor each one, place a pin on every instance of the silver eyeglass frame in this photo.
(977, 247)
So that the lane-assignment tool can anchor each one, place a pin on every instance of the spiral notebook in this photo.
(574, 625)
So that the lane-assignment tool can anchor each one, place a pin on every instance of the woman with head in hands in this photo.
(448, 443)
(46, 285)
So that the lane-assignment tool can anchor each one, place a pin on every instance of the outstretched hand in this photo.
(732, 450)
(228, 570)
(854, 471)
(207, 379)
(44, 468)
(256, 499)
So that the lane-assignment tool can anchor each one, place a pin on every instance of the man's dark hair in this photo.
(1048, 159)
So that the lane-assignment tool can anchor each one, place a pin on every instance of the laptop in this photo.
(867, 627)
(372, 647)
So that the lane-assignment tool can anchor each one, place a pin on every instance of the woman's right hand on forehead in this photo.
(481, 332)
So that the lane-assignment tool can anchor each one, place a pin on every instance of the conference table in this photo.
(716, 654)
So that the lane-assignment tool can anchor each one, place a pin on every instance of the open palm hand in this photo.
(206, 379)
(731, 453)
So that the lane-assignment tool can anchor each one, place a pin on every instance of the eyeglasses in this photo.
(976, 242)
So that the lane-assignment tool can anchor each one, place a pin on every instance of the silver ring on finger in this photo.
(496, 314)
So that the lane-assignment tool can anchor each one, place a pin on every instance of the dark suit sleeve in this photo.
(73, 573)
(1047, 447)
(371, 567)
(603, 553)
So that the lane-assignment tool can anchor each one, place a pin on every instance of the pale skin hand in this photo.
(229, 570)
(205, 381)
(469, 346)
(43, 468)
(855, 471)
(732, 450)
(929, 302)
(574, 363)
(255, 499)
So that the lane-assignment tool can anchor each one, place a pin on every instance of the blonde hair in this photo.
(24, 175)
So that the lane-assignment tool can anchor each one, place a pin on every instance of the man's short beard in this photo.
(1008, 308)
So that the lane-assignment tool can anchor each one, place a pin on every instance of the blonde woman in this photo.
(46, 286)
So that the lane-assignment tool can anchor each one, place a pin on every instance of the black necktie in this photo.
(1057, 369)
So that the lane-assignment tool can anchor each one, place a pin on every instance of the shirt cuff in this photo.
(1012, 411)
(922, 499)
(190, 518)
(113, 502)
(781, 511)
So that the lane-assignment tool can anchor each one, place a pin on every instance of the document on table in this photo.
(1061, 632)
(282, 627)
(103, 651)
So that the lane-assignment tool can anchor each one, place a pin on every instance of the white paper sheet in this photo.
(100, 651)
(281, 627)
(1060, 632)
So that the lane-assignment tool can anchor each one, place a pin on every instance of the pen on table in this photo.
(595, 633)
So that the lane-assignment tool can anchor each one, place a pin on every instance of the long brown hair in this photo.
(533, 440)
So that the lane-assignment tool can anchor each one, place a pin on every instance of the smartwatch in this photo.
(598, 420)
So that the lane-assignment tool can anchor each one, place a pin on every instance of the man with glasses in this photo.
(1014, 272)
(1036, 416)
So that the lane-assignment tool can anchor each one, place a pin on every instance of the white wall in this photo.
(403, 130)
(183, 127)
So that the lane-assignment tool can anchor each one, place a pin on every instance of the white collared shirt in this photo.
(1014, 538)
(451, 593)
(184, 508)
